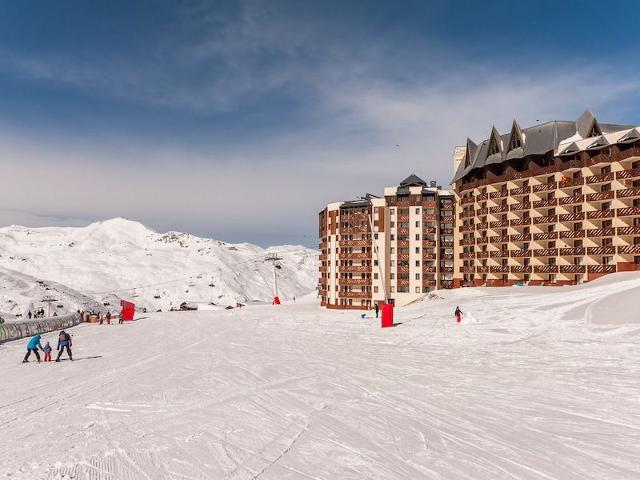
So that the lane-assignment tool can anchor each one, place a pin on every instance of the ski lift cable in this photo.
(255, 258)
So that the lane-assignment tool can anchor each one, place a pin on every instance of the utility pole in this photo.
(274, 259)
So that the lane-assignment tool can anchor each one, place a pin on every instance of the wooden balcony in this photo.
(467, 242)
(350, 230)
(428, 243)
(628, 193)
(482, 255)
(571, 234)
(545, 219)
(429, 283)
(544, 187)
(628, 212)
(519, 253)
(430, 217)
(605, 177)
(521, 269)
(481, 240)
(545, 236)
(499, 269)
(520, 238)
(601, 214)
(549, 202)
(402, 268)
(429, 256)
(403, 243)
(345, 294)
(635, 230)
(601, 232)
(354, 268)
(403, 282)
(610, 250)
(429, 230)
(354, 217)
(403, 218)
(355, 243)
(519, 191)
(446, 244)
(482, 226)
(323, 293)
(571, 252)
(571, 217)
(467, 255)
(355, 256)
(322, 245)
(403, 231)
(447, 256)
(323, 256)
(500, 224)
(545, 252)
(468, 213)
(601, 268)
(571, 183)
(625, 174)
(500, 194)
(573, 269)
(354, 281)
(520, 222)
(571, 200)
(482, 269)
(429, 269)
(324, 269)
(446, 284)
(482, 197)
(446, 269)
(499, 209)
(602, 196)
(468, 199)
(545, 268)
(467, 269)
(629, 250)
(503, 253)
(520, 206)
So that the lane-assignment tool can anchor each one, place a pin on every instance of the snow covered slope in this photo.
(534, 389)
(107, 260)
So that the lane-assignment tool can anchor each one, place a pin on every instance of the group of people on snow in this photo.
(37, 314)
(64, 342)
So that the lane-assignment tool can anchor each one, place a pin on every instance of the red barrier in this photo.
(387, 315)
(128, 310)
(276, 300)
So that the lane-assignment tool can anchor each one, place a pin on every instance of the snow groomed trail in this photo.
(535, 388)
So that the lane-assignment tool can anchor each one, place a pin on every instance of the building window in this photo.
(417, 211)
(393, 211)
(417, 249)
(393, 289)
(417, 276)
(417, 289)
(417, 224)
(607, 260)
(375, 276)
(375, 289)
(392, 250)
(392, 224)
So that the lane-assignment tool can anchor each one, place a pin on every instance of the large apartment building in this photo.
(393, 248)
(555, 203)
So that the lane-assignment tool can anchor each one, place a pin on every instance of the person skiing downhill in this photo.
(64, 341)
(33, 346)
(458, 315)
(377, 308)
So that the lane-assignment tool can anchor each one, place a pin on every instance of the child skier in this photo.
(47, 352)
(458, 315)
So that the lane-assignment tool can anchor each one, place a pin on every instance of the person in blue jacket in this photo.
(33, 346)
(64, 341)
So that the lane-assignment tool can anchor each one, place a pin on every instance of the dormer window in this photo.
(595, 130)
(493, 147)
(515, 142)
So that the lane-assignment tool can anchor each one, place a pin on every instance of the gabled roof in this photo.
(539, 139)
(413, 181)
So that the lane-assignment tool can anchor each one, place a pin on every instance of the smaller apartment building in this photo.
(393, 248)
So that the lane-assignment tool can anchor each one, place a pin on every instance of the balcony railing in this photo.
(402, 269)
(573, 269)
(348, 230)
(601, 268)
(323, 256)
(354, 268)
(403, 218)
(521, 269)
(571, 234)
(518, 222)
(499, 194)
(544, 187)
(428, 243)
(628, 212)
(446, 269)
(601, 232)
(546, 219)
(355, 256)
(545, 236)
(499, 239)
(482, 226)
(428, 230)
(602, 196)
(571, 200)
(571, 217)
(467, 269)
(545, 268)
(446, 244)
(467, 242)
(429, 269)
(354, 281)
(345, 294)
(403, 231)
(545, 252)
(624, 174)
(499, 209)
(354, 217)
(520, 253)
(403, 256)
(429, 256)
(519, 191)
(609, 250)
(499, 269)
(601, 214)
(629, 250)
(628, 192)
(605, 177)
(524, 237)
(635, 230)
(520, 206)
(482, 255)
(467, 200)
(355, 243)
(571, 182)
(549, 202)
(500, 224)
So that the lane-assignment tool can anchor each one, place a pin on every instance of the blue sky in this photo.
(241, 120)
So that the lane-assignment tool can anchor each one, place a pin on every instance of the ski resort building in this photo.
(555, 203)
(395, 248)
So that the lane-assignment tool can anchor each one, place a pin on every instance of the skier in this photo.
(33, 346)
(47, 352)
(64, 341)
(377, 308)
(29, 315)
(109, 318)
(458, 315)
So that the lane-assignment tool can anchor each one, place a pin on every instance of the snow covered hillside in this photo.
(119, 258)
(536, 383)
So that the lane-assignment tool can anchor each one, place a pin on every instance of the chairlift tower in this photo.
(48, 300)
(274, 258)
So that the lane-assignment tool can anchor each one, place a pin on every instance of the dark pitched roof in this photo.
(413, 181)
(536, 140)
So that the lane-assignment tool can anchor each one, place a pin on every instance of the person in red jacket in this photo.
(458, 315)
